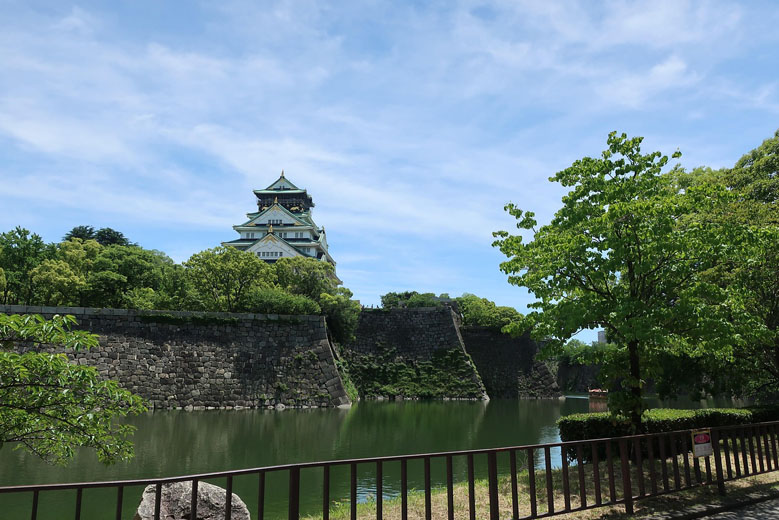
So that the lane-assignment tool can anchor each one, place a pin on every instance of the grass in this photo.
(655, 507)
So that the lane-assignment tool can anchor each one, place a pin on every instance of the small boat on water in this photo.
(597, 393)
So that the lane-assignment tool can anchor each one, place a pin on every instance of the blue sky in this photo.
(411, 124)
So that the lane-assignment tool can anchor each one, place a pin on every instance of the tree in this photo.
(111, 237)
(306, 276)
(756, 174)
(481, 312)
(316, 280)
(410, 299)
(56, 283)
(82, 232)
(395, 300)
(423, 300)
(755, 283)
(342, 313)
(624, 254)
(273, 300)
(50, 406)
(223, 276)
(80, 255)
(119, 269)
(175, 290)
(753, 273)
(20, 253)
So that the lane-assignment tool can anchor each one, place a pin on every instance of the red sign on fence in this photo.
(701, 443)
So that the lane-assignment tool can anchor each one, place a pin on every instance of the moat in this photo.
(176, 442)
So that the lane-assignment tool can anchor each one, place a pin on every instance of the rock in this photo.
(176, 498)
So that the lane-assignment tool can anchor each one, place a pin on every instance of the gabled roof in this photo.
(241, 241)
(267, 191)
(254, 216)
(281, 183)
(273, 237)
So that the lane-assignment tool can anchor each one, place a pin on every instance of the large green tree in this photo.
(111, 237)
(316, 280)
(20, 253)
(753, 273)
(50, 406)
(82, 232)
(56, 283)
(623, 254)
(306, 276)
(481, 312)
(223, 277)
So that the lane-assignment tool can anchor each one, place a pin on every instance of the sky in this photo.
(411, 124)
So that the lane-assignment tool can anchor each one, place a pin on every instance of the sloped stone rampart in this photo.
(410, 354)
(578, 378)
(507, 365)
(209, 360)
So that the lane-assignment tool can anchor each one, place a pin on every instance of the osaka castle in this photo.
(282, 225)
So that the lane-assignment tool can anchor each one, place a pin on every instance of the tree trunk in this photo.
(635, 387)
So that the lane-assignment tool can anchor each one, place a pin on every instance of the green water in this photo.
(170, 443)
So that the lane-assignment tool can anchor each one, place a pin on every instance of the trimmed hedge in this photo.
(582, 426)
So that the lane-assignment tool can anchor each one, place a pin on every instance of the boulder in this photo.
(177, 496)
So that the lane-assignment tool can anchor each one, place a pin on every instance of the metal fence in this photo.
(589, 474)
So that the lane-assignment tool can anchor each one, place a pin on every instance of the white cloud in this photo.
(411, 124)
(635, 89)
(79, 21)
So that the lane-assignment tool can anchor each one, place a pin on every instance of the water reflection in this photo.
(176, 442)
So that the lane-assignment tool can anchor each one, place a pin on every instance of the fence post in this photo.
(193, 499)
(492, 470)
(627, 490)
(718, 462)
(294, 494)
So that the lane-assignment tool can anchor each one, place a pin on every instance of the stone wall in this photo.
(577, 378)
(411, 353)
(210, 360)
(507, 365)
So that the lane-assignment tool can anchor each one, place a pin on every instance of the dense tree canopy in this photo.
(49, 406)
(111, 237)
(752, 275)
(475, 311)
(481, 312)
(223, 277)
(103, 236)
(82, 232)
(86, 272)
(20, 253)
(624, 254)
(411, 299)
(315, 280)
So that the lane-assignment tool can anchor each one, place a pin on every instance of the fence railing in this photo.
(585, 475)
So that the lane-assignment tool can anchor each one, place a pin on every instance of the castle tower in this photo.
(282, 225)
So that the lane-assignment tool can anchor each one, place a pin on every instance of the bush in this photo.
(481, 312)
(582, 426)
(411, 299)
(271, 300)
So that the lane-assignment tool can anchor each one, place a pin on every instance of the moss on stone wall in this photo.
(351, 390)
(449, 373)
